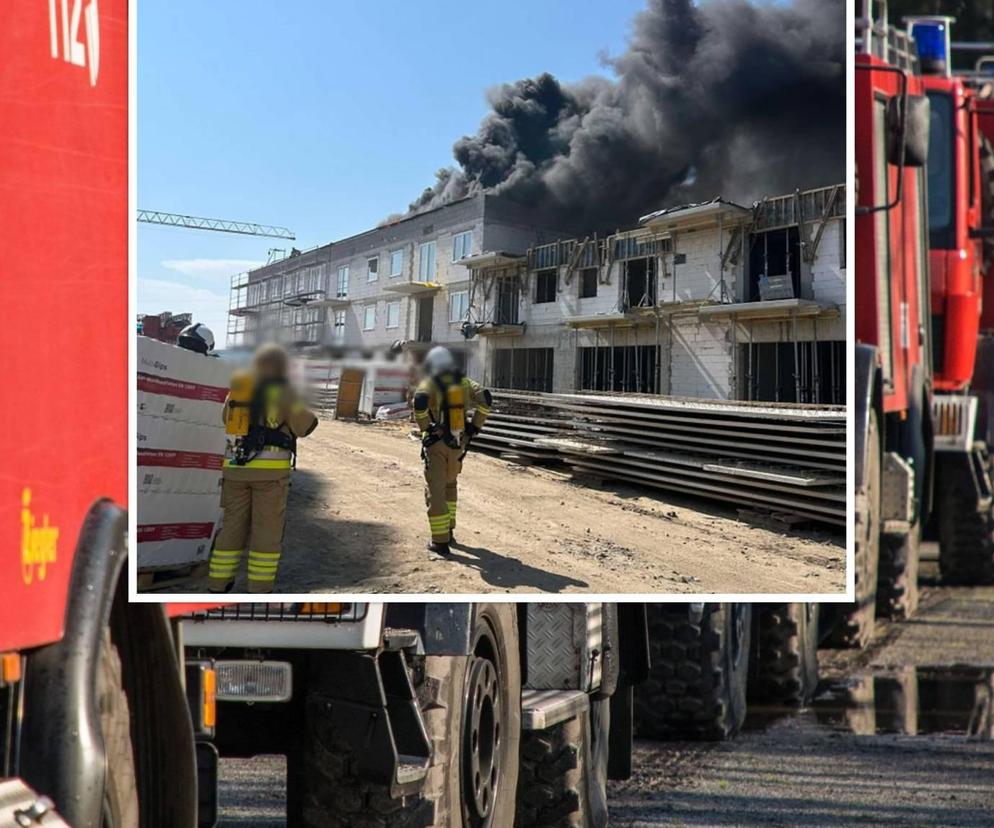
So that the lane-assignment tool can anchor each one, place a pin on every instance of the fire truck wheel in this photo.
(473, 719)
(471, 706)
(120, 789)
(563, 781)
(786, 670)
(855, 623)
(966, 539)
(696, 687)
(897, 586)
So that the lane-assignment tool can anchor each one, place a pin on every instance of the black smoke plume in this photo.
(727, 97)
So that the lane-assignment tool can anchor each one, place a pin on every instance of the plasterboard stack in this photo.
(782, 457)
(181, 444)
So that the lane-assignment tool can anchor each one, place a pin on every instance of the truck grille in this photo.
(314, 612)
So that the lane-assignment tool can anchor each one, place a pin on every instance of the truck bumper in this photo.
(243, 625)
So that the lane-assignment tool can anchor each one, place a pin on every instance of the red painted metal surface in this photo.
(890, 244)
(985, 118)
(956, 268)
(64, 290)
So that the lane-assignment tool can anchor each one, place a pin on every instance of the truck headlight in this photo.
(253, 681)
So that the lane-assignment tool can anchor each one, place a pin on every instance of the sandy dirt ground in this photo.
(891, 760)
(357, 523)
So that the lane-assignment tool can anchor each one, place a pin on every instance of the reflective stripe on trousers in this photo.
(262, 567)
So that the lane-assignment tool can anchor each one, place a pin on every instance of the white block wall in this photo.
(699, 277)
(702, 359)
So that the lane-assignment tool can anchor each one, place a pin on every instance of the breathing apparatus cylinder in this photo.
(455, 403)
(240, 394)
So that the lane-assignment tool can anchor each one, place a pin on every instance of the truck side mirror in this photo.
(907, 130)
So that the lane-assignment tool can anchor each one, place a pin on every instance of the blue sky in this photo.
(324, 117)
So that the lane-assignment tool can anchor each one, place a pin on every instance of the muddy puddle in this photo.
(909, 701)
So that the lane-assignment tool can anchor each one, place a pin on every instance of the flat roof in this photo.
(357, 236)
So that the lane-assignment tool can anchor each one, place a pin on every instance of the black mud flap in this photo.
(368, 698)
(619, 764)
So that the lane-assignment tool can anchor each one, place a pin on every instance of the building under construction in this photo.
(713, 300)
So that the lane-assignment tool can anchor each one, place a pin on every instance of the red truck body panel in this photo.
(985, 118)
(890, 248)
(956, 268)
(64, 290)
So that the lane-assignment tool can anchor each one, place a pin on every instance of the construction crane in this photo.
(245, 228)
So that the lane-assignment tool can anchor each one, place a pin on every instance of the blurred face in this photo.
(271, 362)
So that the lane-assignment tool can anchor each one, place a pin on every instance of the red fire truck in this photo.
(921, 247)
(960, 206)
(893, 368)
(94, 719)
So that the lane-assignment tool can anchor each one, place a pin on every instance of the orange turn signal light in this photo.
(10, 668)
(210, 698)
(318, 608)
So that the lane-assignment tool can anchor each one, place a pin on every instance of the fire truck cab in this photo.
(893, 353)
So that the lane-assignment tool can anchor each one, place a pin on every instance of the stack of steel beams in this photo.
(781, 457)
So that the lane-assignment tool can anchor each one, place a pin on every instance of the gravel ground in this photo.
(356, 523)
(884, 744)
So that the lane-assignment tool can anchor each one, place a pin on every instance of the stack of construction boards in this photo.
(780, 457)
(181, 442)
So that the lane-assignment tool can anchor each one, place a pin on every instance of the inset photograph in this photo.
(605, 351)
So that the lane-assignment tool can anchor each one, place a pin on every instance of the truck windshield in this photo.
(941, 171)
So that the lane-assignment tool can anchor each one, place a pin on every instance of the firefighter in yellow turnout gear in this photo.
(441, 404)
(265, 418)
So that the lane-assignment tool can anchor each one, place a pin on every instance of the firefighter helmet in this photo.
(439, 361)
(197, 337)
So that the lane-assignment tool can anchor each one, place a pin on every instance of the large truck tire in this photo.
(897, 585)
(855, 623)
(966, 538)
(323, 788)
(786, 669)
(696, 687)
(121, 788)
(471, 706)
(563, 778)
(476, 731)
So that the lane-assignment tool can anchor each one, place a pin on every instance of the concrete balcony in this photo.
(410, 287)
